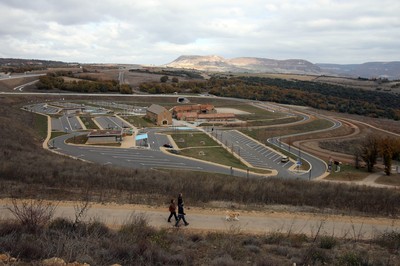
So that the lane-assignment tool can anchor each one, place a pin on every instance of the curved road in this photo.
(137, 158)
(317, 166)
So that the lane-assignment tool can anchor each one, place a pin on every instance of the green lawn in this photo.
(347, 173)
(393, 180)
(214, 154)
(40, 122)
(193, 139)
(200, 146)
(270, 122)
(138, 121)
(88, 122)
(262, 134)
(256, 113)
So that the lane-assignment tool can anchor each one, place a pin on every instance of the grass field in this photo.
(193, 139)
(348, 173)
(393, 180)
(88, 122)
(200, 146)
(262, 134)
(40, 124)
(138, 121)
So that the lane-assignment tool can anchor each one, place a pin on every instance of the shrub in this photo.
(8, 227)
(32, 214)
(225, 260)
(390, 240)
(327, 242)
(61, 224)
(196, 238)
(253, 248)
(251, 241)
(350, 259)
(274, 238)
(136, 228)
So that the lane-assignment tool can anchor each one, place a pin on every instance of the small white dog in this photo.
(232, 216)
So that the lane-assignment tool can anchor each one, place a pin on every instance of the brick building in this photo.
(159, 115)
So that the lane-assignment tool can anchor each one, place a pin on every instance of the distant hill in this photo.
(29, 62)
(390, 70)
(244, 64)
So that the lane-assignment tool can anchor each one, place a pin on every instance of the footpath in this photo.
(251, 222)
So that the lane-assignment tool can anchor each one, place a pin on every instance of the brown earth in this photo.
(272, 219)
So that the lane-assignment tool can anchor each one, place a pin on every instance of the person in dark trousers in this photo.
(181, 215)
(172, 210)
(180, 199)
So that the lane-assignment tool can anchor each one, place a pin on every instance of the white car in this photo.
(284, 159)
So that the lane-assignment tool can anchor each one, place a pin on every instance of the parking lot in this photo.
(251, 151)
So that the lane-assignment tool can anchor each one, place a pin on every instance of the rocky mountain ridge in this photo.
(215, 63)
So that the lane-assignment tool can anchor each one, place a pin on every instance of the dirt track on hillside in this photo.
(251, 222)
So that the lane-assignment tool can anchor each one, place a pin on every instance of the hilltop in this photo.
(389, 70)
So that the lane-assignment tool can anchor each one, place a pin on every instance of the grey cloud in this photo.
(157, 31)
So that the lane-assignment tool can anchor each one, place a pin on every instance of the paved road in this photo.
(109, 122)
(18, 76)
(251, 151)
(137, 158)
(318, 167)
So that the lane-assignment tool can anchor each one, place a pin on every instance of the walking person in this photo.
(172, 210)
(180, 199)
(181, 215)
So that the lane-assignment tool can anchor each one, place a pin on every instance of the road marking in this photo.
(127, 156)
(167, 165)
(275, 156)
(276, 159)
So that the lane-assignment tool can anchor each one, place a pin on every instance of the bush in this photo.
(327, 242)
(390, 240)
(32, 214)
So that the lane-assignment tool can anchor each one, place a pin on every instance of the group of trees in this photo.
(56, 81)
(317, 95)
(372, 147)
(164, 79)
(190, 74)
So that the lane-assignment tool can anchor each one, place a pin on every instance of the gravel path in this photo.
(251, 222)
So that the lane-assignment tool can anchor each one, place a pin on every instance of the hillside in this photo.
(389, 70)
(244, 64)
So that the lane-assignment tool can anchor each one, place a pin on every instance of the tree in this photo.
(369, 150)
(386, 149)
(175, 80)
(164, 79)
(125, 89)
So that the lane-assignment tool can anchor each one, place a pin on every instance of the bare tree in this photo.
(81, 208)
(33, 214)
(387, 149)
(369, 150)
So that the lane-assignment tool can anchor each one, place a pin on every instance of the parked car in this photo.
(284, 159)
(167, 145)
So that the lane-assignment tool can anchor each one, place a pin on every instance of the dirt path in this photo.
(251, 222)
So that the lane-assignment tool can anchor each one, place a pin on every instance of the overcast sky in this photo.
(158, 31)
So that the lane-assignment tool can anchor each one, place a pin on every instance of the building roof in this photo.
(196, 107)
(156, 109)
(105, 133)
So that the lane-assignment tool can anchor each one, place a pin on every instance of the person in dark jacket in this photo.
(172, 210)
(180, 199)
(181, 215)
